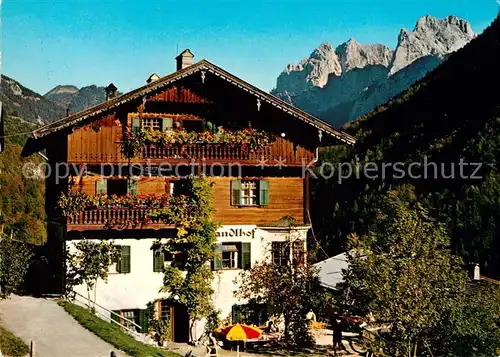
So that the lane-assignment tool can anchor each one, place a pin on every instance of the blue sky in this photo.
(46, 43)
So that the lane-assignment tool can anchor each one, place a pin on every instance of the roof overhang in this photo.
(76, 119)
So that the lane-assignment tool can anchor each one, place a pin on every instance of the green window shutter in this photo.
(116, 317)
(167, 123)
(246, 262)
(132, 186)
(158, 261)
(136, 125)
(124, 262)
(263, 192)
(101, 187)
(218, 257)
(236, 192)
(143, 320)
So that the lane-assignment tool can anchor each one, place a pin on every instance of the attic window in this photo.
(161, 124)
(152, 124)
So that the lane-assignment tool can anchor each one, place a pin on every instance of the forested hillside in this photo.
(452, 114)
(20, 101)
(68, 96)
(22, 200)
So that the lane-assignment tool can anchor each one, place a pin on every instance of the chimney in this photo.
(185, 59)
(477, 273)
(110, 91)
(67, 112)
(152, 78)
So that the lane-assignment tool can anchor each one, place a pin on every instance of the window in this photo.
(126, 317)
(229, 257)
(280, 253)
(123, 263)
(249, 192)
(299, 253)
(193, 125)
(158, 261)
(232, 256)
(249, 314)
(118, 187)
(151, 123)
(129, 316)
(179, 187)
(164, 310)
(154, 123)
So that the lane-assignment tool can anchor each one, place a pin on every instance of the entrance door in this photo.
(180, 323)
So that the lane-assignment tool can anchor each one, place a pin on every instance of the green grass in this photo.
(11, 345)
(112, 334)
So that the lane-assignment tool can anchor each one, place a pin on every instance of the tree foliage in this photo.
(404, 271)
(88, 263)
(288, 290)
(14, 260)
(22, 198)
(472, 326)
(192, 279)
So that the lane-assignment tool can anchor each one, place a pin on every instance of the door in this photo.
(180, 323)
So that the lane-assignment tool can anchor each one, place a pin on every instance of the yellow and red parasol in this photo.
(241, 332)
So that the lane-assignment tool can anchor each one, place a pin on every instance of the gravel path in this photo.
(56, 333)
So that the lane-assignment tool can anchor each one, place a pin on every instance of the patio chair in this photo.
(213, 349)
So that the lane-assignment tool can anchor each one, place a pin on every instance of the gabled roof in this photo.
(203, 65)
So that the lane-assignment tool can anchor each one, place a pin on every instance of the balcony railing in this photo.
(205, 151)
(105, 152)
(226, 154)
(117, 218)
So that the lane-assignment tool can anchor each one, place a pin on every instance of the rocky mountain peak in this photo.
(431, 37)
(352, 55)
(341, 84)
(321, 63)
(312, 71)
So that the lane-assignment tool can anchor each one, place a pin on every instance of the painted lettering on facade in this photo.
(236, 233)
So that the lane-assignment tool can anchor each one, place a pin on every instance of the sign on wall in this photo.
(235, 233)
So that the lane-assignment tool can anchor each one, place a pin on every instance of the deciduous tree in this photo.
(88, 263)
(404, 273)
(14, 259)
(288, 290)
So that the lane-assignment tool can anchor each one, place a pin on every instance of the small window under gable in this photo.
(158, 123)
(152, 123)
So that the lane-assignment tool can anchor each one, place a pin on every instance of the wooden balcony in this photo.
(228, 154)
(208, 152)
(114, 218)
(107, 150)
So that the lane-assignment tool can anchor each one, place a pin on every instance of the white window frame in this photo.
(249, 192)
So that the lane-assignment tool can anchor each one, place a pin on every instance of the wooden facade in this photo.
(287, 196)
(102, 144)
(199, 98)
